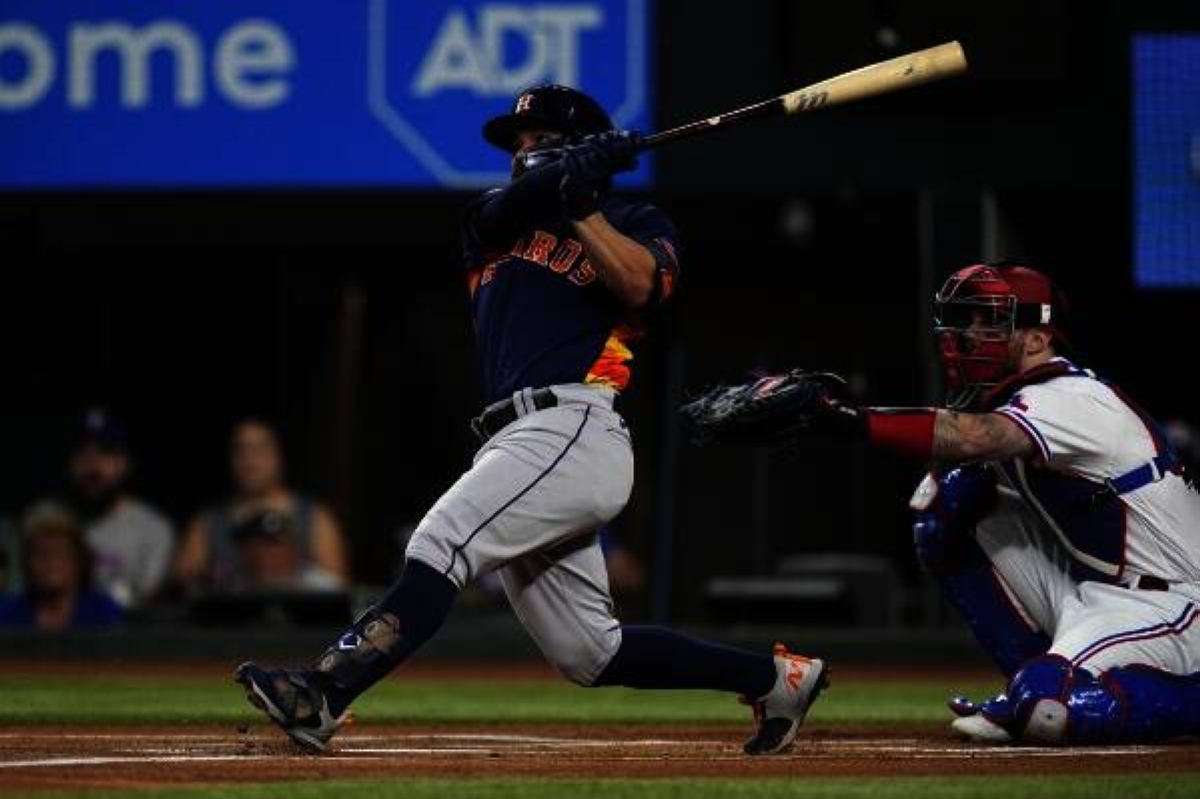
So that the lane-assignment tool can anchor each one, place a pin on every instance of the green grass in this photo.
(104, 699)
(83, 699)
(1167, 786)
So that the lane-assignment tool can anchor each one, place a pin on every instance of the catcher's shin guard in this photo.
(779, 714)
(293, 702)
(1056, 703)
(944, 539)
(996, 624)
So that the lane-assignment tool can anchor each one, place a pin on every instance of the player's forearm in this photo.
(508, 211)
(626, 267)
(944, 435)
(960, 437)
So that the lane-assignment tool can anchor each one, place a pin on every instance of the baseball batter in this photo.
(563, 276)
(1059, 523)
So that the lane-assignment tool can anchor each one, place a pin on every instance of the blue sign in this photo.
(1166, 92)
(295, 93)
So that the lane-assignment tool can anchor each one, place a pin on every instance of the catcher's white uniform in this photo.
(1097, 538)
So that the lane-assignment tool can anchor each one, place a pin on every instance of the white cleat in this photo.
(978, 729)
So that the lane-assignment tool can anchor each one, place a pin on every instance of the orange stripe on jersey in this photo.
(480, 275)
(473, 277)
(670, 248)
(611, 368)
(667, 285)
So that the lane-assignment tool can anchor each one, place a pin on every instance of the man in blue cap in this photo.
(131, 541)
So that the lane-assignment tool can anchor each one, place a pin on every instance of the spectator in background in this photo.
(9, 555)
(131, 541)
(626, 575)
(209, 556)
(56, 569)
(1184, 439)
(270, 560)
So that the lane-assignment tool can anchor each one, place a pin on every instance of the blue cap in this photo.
(100, 428)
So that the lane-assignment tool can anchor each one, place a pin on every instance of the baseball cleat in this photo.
(779, 714)
(977, 720)
(295, 705)
(978, 729)
(963, 706)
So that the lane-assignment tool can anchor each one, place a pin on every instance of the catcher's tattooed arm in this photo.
(959, 437)
(784, 409)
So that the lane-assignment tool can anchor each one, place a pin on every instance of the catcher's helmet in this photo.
(559, 108)
(975, 314)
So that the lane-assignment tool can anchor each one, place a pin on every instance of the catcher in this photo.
(1056, 519)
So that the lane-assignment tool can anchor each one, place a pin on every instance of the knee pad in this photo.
(1052, 702)
(948, 508)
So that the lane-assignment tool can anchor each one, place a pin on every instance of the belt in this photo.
(500, 415)
(1148, 582)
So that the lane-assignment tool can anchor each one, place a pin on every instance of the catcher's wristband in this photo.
(908, 431)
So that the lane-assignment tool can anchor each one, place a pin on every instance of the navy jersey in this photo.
(543, 316)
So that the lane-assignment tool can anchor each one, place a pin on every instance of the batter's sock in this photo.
(655, 657)
(402, 620)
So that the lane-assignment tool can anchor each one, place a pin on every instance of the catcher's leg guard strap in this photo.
(405, 618)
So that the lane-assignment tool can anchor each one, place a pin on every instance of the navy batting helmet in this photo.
(559, 108)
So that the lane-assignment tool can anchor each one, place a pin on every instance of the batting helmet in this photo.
(559, 108)
(975, 314)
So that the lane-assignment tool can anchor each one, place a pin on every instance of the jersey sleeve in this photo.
(1067, 427)
(476, 252)
(654, 230)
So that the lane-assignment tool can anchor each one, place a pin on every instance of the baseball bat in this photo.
(923, 66)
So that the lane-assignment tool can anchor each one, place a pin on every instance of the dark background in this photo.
(342, 315)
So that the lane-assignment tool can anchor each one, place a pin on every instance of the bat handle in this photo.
(766, 108)
(659, 139)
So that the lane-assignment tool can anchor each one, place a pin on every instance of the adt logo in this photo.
(473, 56)
(437, 71)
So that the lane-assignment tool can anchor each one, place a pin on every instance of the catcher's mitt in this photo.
(774, 410)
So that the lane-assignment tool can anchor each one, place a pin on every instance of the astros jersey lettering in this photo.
(542, 315)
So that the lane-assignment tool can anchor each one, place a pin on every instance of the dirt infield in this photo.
(121, 757)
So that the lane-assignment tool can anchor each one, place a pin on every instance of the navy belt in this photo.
(1148, 582)
(500, 415)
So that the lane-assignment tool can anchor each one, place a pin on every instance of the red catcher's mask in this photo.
(975, 314)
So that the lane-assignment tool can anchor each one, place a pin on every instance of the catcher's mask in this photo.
(566, 111)
(976, 313)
